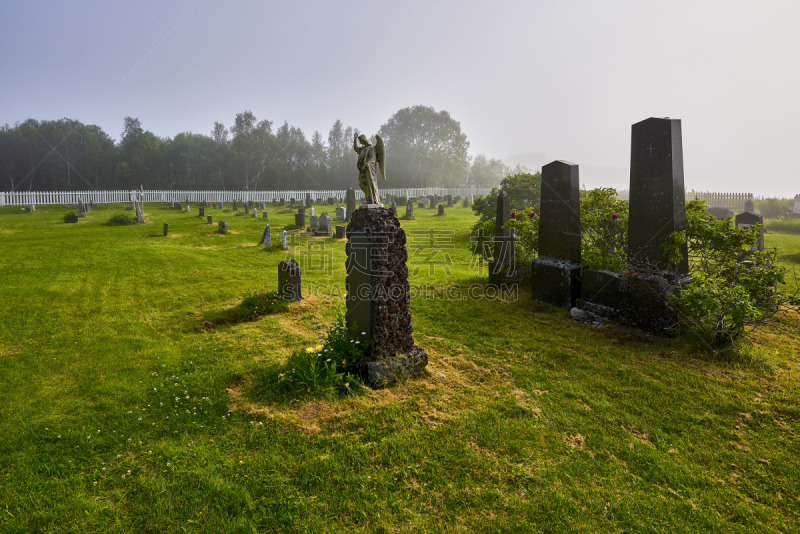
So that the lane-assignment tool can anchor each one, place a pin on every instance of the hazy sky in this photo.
(530, 81)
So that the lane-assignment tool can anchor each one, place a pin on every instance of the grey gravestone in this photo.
(313, 223)
(255, 213)
(246, 209)
(209, 220)
(202, 212)
(720, 213)
(235, 206)
(324, 224)
(748, 218)
(555, 273)
(301, 210)
(422, 205)
(300, 220)
(749, 205)
(410, 209)
(263, 206)
(449, 201)
(311, 212)
(139, 215)
(308, 200)
(465, 203)
(266, 239)
(351, 203)
(657, 209)
(284, 240)
(222, 227)
(290, 285)
(341, 214)
(264, 214)
(91, 205)
(378, 298)
(283, 202)
(441, 209)
(81, 209)
(32, 208)
(291, 202)
(393, 207)
(431, 200)
(166, 229)
(340, 231)
(220, 205)
(331, 201)
(502, 269)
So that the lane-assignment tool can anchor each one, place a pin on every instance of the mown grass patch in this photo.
(120, 413)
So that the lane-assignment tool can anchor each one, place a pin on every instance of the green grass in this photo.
(124, 406)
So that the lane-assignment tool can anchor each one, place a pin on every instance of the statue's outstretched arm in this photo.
(355, 143)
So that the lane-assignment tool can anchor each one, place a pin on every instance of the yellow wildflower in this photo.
(310, 349)
(319, 347)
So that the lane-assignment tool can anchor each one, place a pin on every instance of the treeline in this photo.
(425, 148)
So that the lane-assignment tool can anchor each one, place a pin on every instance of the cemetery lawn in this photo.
(129, 404)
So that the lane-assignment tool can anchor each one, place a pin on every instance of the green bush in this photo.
(773, 208)
(604, 230)
(524, 190)
(71, 217)
(258, 303)
(329, 369)
(120, 219)
(726, 298)
(401, 200)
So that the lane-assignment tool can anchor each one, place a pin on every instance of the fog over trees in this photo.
(425, 148)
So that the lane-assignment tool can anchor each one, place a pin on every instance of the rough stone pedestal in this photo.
(378, 297)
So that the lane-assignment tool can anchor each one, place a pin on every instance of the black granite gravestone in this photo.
(300, 220)
(351, 203)
(410, 209)
(502, 269)
(441, 209)
(657, 197)
(166, 229)
(556, 271)
(266, 239)
(657, 209)
(747, 218)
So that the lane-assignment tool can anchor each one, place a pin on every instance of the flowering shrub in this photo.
(604, 230)
(726, 298)
(328, 369)
(523, 189)
(71, 217)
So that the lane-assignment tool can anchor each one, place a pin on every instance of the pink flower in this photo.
(614, 217)
(513, 213)
(533, 213)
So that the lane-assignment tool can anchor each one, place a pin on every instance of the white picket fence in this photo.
(732, 201)
(41, 198)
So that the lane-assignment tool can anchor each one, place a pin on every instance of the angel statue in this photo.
(368, 155)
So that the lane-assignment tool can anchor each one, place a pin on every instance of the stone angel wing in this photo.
(380, 155)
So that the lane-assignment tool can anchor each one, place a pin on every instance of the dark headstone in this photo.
(465, 203)
(235, 206)
(422, 205)
(340, 231)
(657, 209)
(166, 229)
(222, 227)
(431, 201)
(300, 220)
(283, 202)
(81, 209)
(747, 218)
(291, 202)
(556, 271)
(749, 205)
(657, 198)
(266, 239)
(378, 297)
(308, 200)
(264, 214)
(290, 284)
(209, 220)
(202, 212)
(449, 201)
(246, 209)
(441, 209)
(410, 209)
(351, 203)
(720, 213)
(220, 205)
(503, 268)
(331, 201)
